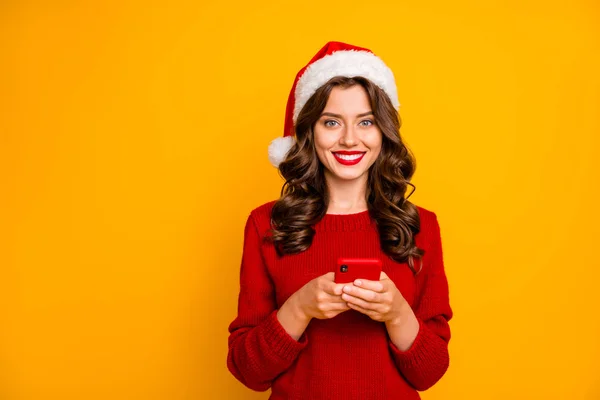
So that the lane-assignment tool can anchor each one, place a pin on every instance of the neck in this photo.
(346, 196)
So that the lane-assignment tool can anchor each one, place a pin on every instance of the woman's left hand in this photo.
(380, 300)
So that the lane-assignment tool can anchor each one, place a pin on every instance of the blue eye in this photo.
(367, 120)
(326, 123)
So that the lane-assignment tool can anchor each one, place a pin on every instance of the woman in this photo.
(346, 171)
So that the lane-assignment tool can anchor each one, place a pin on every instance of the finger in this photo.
(334, 289)
(336, 300)
(365, 294)
(325, 295)
(337, 306)
(358, 301)
(383, 275)
(375, 286)
(340, 306)
(330, 276)
(362, 310)
(331, 288)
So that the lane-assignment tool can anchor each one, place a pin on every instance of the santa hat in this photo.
(334, 59)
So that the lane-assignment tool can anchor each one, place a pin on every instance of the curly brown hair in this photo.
(304, 195)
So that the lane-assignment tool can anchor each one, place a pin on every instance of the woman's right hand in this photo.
(321, 298)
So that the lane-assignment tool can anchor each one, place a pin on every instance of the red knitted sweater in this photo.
(349, 356)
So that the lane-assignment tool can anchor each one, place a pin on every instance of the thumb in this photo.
(383, 275)
(337, 289)
(330, 276)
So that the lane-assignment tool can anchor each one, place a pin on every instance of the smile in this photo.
(349, 157)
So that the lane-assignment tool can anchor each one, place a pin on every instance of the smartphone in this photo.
(350, 269)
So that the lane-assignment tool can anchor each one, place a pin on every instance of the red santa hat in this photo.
(334, 59)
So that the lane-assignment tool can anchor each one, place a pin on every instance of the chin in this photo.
(348, 175)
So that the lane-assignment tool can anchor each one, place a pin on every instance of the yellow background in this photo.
(133, 145)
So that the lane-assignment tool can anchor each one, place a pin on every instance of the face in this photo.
(346, 138)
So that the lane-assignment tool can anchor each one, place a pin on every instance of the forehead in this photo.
(350, 100)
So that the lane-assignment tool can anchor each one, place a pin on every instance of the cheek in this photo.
(375, 143)
(375, 156)
(322, 142)
(378, 151)
(319, 147)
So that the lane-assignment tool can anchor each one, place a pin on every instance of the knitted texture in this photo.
(349, 356)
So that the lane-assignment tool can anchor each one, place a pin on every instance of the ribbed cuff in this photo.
(422, 352)
(280, 342)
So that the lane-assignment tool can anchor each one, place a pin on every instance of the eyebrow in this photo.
(339, 116)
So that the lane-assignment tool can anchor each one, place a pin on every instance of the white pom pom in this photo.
(279, 148)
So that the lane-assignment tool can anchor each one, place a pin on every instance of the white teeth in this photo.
(349, 157)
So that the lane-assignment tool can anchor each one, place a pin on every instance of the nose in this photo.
(349, 137)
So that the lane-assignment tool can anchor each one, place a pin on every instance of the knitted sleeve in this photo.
(427, 360)
(259, 347)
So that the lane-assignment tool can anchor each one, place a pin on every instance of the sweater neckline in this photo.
(345, 222)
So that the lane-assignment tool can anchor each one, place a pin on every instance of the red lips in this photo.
(343, 161)
(347, 153)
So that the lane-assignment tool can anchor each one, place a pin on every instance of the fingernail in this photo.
(347, 289)
(358, 282)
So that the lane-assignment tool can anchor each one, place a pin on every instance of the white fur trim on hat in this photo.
(279, 148)
(347, 63)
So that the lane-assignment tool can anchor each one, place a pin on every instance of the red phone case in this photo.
(357, 268)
